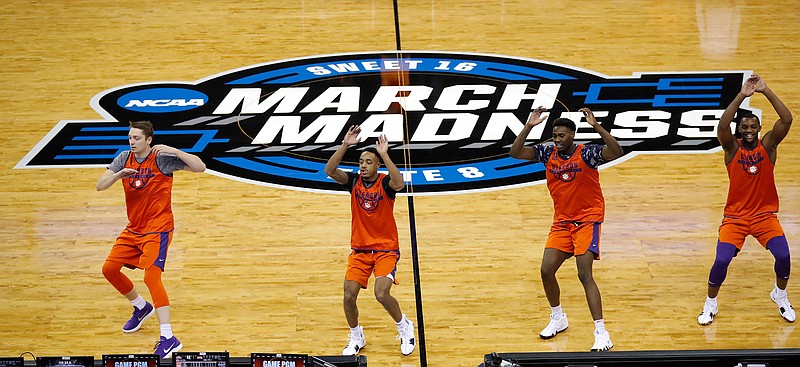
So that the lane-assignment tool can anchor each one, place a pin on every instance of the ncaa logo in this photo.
(158, 100)
(450, 118)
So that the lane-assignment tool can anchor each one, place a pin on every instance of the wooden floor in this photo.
(257, 269)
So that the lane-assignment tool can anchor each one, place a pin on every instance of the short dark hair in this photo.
(748, 115)
(563, 121)
(145, 126)
(374, 151)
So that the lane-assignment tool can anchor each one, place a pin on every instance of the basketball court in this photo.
(255, 268)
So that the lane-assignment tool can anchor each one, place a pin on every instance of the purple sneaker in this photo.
(165, 347)
(138, 318)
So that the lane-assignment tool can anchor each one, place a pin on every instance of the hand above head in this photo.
(589, 116)
(760, 84)
(749, 86)
(382, 145)
(536, 117)
(351, 138)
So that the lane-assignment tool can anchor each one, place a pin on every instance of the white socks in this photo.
(403, 322)
(357, 332)
(556, 311)
(599, 324)
(138, 302)
(166, 330)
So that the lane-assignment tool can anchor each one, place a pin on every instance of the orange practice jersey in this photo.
(575, 189)
(373, 225)
(752, 183)
(148, 197)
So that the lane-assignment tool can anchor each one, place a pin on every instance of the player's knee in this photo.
(548, 271)
(782, 257)
(585, 276)
(721, 263)
(383, 297)
(719, 271)
(725, 254)
(152, 278)
(110, 270)
(350, 297)
(723, 258)
(780, 250)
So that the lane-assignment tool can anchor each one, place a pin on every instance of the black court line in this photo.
(423, 357)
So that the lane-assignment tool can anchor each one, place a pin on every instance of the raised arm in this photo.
(784, 123)
(395, 177)
(724, 133)
(192, 162)
(332, 167)
(518, 149)
(612, 150)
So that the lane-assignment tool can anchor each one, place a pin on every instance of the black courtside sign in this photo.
(450, 117)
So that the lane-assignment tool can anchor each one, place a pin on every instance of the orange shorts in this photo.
(575, 238)
(141, 250)
(361, 264)
(763, 227)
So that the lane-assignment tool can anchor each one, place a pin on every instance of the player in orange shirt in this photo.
(752, 201)
(146, 174)
(579, 211)
(374, 244)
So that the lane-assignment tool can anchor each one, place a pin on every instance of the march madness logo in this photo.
(450, 118)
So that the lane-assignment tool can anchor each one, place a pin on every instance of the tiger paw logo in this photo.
(566, 172)
(750, 163)
(567, 177)
(139, 181)
(368, 202)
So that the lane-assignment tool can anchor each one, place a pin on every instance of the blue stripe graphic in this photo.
(592, 95)
(205, 138)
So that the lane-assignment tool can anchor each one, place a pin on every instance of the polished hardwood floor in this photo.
(259, 269)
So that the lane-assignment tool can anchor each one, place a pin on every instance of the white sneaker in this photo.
(405, 334)
(602, 342)
(707, 315)
(557, 324)
(784, 307)
(355, 343)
